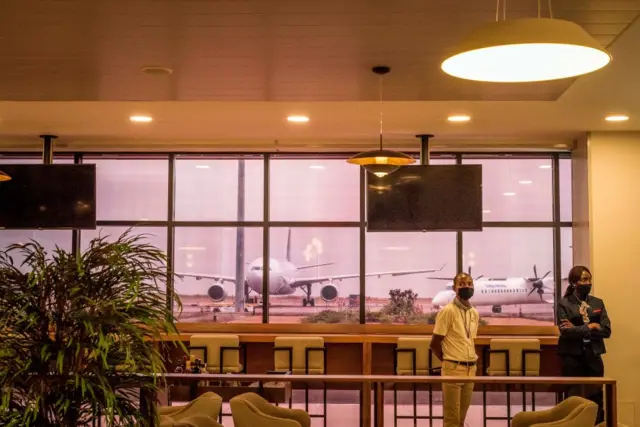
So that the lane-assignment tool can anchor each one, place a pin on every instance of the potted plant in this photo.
(80, 336)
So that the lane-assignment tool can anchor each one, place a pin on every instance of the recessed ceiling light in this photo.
(396, 248)
(509, 193)
(486, 211)
(525, 182)
(202, 166)
(459, 118)
(192, 248)
(316, 167)
(298, 119)
(617, 118)
(141, 119)
(545, 166)
(560, 146)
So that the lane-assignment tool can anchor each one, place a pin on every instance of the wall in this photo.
(614, 200)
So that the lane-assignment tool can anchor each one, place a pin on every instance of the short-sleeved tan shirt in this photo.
(459, 327)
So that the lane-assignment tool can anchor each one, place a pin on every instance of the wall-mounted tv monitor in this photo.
(426, 198)
(48, 196)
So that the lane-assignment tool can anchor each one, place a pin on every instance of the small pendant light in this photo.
(381, 162)
(4, 177)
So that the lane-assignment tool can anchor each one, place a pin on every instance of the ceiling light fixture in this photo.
(526, 50)
(318, 167)
(509, 194)
(381, 162)
(545, 166)
(459, 118)
(4, 177)
(202, 166)
(617, 118)
(298, 119)
(141, 119)
(486, 211)
(525, 182)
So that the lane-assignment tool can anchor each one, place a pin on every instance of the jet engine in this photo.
(329, 293)
(217, 293)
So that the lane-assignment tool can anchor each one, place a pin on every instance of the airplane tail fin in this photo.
(289, 245)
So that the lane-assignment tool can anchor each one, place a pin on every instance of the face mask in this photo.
(465, 293)
(583, 291)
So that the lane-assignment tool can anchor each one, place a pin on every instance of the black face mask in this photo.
(465, 293)
(583, 291)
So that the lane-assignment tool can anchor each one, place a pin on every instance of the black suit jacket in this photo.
(571, 341)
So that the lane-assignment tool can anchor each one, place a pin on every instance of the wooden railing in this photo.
(378, 384)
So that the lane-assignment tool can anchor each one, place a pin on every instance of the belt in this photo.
(461, 363)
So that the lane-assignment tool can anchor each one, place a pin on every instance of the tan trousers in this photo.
(456, 396)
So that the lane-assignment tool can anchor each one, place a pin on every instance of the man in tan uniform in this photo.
(453, 342)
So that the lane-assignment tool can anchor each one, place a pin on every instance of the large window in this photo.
(131, 189)
(513, 274)
(208, 213)
(314, 275)
(314, 190)
(516, 189)
(218, 273)
(405, 271)
(228, 189)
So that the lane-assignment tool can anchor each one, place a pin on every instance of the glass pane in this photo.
(315, 277)
(49, 239)
(314, 190)
(131, 189)
(516, 189)
(208, 264)
(156, 236)
(407, 255)
(208, 189)
(566, 253)
(504, 263)
(566, 213)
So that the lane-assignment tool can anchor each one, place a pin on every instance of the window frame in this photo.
(266, 224)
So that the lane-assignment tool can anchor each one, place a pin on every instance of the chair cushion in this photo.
(497, 361)
(421, 347)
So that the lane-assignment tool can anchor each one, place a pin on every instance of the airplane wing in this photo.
(215, 277)
(302, 281)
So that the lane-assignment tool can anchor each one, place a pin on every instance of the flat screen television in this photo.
(426, 198)
(48, 196)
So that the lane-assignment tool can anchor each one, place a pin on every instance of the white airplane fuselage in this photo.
(499, 292)
(281, 274)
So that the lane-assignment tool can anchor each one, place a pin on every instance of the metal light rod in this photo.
(425, 149)
(47, 148)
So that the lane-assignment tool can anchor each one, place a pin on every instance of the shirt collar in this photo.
(457, 302)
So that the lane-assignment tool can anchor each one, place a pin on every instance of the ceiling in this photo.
(73, 68)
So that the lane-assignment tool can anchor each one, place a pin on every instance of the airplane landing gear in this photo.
(520, 312)
(308, 300)
(497, 309)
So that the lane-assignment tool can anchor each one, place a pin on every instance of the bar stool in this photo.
(512, 357)
(303, 356)
(413, 356)
(221, 353)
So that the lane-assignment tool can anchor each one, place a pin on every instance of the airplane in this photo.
(284, 279)
(496, 292)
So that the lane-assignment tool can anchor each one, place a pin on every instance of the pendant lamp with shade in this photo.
(4, 177)
(526, 50)
(381, 162)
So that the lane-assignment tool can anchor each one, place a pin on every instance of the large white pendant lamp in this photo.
(526, 50)
(381, 162)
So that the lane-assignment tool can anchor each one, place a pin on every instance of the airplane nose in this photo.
(441, 299)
